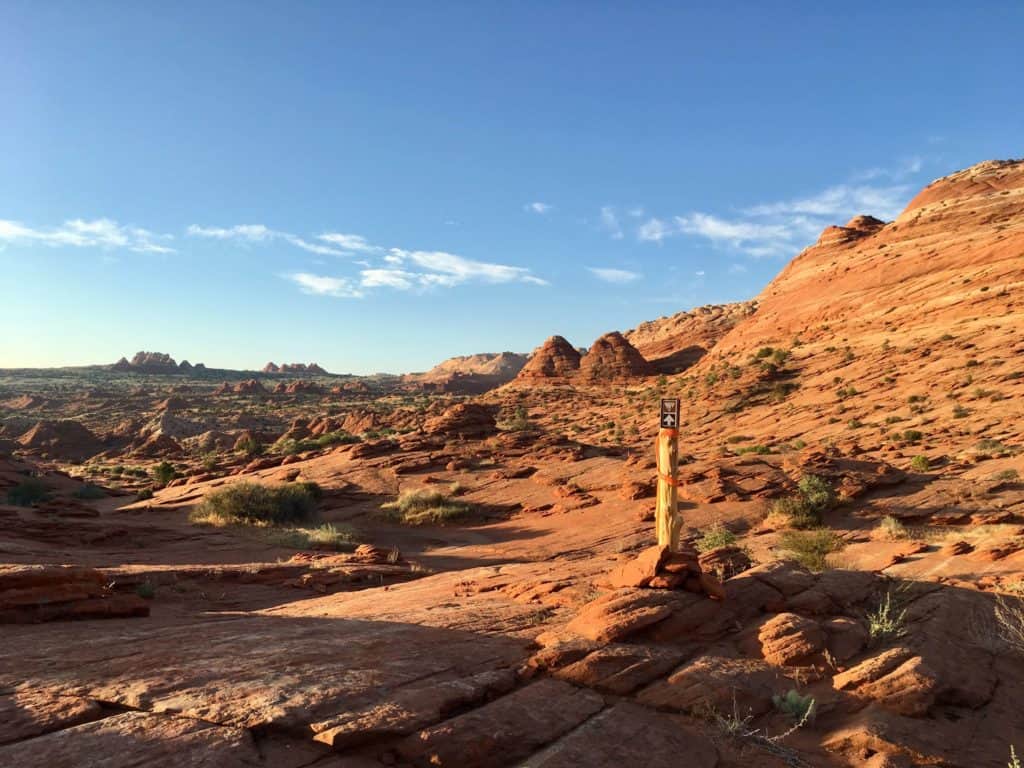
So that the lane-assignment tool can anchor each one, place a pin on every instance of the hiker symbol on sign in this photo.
(669, 413)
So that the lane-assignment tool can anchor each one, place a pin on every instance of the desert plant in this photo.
(326, 536)
(796, 706)
(421, 507)
(886, 620)
(1009, 613)
(254, 504)
(249, 447)
(959, 412)
(163, 473)
(811, 548)
(89, 492)
(1007, 476)
(817, 492)
(1014, 760)
(893, 529)
(144, 495)
(920, 463)
(715, 536)
(146, 590)
(28, 492)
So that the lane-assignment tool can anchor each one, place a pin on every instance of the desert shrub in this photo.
(249, 447)
(1007, 476)
(1014, 760)
(798, 444)
(920, 464)
(817, 491)
(456, 488)
(811, 548)
(893, 529)
(886, 620)
(715, 536)
(146, 590)
(781, 390)
(89, 492)
(144, 495)
(28, 492)
(804, 508)
(254, 504)
(800, 708)
(1009, 613)
(761, 450)
(422, 507)
(911, 436)
(326, 536)
(764, 352)
(163, 473)
(959, 412)
(520, 421)
(854, 424)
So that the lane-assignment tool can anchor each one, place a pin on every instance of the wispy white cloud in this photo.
(322, 285)
(782, 228)
(902, 170)
(610, 222)
(398, 279)
(356, 243)
(259, 233)
(450, 269)
(82, 233)
(841, 201)
(253, 233)
(613, 275)
(655, 230)
(538, 207)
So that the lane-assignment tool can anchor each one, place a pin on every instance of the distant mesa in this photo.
(155, 362)
(312, 368)
(469, 374)
(298, 388)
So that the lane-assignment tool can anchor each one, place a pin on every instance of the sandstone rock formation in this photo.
(610, 358)
(65, 439)
(674, 343)
(555, 358)
(311, 368)
(462, 420)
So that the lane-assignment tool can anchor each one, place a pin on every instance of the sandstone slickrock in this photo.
(505, 731)
(64, 438)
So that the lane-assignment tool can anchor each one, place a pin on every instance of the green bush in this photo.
(163, 473)
(144, 495)
(804, 509)
(920, 464)
(421, 507)
(253, 504)
(800, 708)
(886, 620)
(893, 529)
(28, 492)
(714, 537)
(811, 548)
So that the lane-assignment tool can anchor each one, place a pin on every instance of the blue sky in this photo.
(378, 186)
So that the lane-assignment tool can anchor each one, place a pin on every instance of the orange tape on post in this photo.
(669, 479)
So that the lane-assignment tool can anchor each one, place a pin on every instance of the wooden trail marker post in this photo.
(667, 517)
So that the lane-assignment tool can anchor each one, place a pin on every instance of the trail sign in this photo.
(669, 412)
(668, 522)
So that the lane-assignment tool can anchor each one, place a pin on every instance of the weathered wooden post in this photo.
(667, 516)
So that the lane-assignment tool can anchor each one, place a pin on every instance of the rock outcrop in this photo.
(611, 358)
(61, 439)
(468, 420)
(555, 358)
